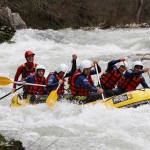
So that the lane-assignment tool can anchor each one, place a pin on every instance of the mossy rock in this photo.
(2, 139)
(6, 33)
(10, 145)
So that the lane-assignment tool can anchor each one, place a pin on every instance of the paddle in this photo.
(98, 79)
(6, 81)
(10, 92)
(53, 96)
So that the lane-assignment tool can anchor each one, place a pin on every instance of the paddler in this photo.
(55, 78)
(112, 75)
(36, 92)
(132, 78)
(82, 85)
(25, 69)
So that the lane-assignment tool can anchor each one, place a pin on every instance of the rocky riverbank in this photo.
(118, 26)
(76, 14)
(59, 14)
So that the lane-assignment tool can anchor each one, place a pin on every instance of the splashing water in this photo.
(68, 126)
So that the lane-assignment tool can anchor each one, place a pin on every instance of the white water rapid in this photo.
(69, 126)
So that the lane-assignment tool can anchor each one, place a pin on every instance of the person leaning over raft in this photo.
(112, 75)
(82, 85)
(56, 78)
(36, 92)
(25, 69)
(132, 78)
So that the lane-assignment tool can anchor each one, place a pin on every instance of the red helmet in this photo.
(28, 53)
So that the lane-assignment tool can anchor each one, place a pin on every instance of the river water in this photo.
(68, 126)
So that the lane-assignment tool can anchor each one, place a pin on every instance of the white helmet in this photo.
(122, 64)
(39, 67)
(85, 64)
(62, 67)
(137, 63)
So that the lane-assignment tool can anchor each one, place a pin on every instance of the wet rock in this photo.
(10, 145)
(134, 25)
(6, 33)
(9, 23)
(2, 139)
(106, 25)
(7, 18)
(18, 23)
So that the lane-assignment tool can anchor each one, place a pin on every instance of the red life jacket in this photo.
(129, 83)
(26, 71)
(61, 87)
(36, 89)
(110, 79)
(69, 79)
(79, 90)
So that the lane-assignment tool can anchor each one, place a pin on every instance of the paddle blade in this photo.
(52, 98)
(5, 80)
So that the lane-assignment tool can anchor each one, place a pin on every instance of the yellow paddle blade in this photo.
(52, 98)
(5, 80)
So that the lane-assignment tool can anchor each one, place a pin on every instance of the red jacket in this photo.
(24, 70)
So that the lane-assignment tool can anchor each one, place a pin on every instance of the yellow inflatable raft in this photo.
(18, 100)
(130, 99)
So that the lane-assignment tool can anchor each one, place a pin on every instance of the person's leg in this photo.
(109, 93)
(92, 97)
(118, 91)
(24, 92)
